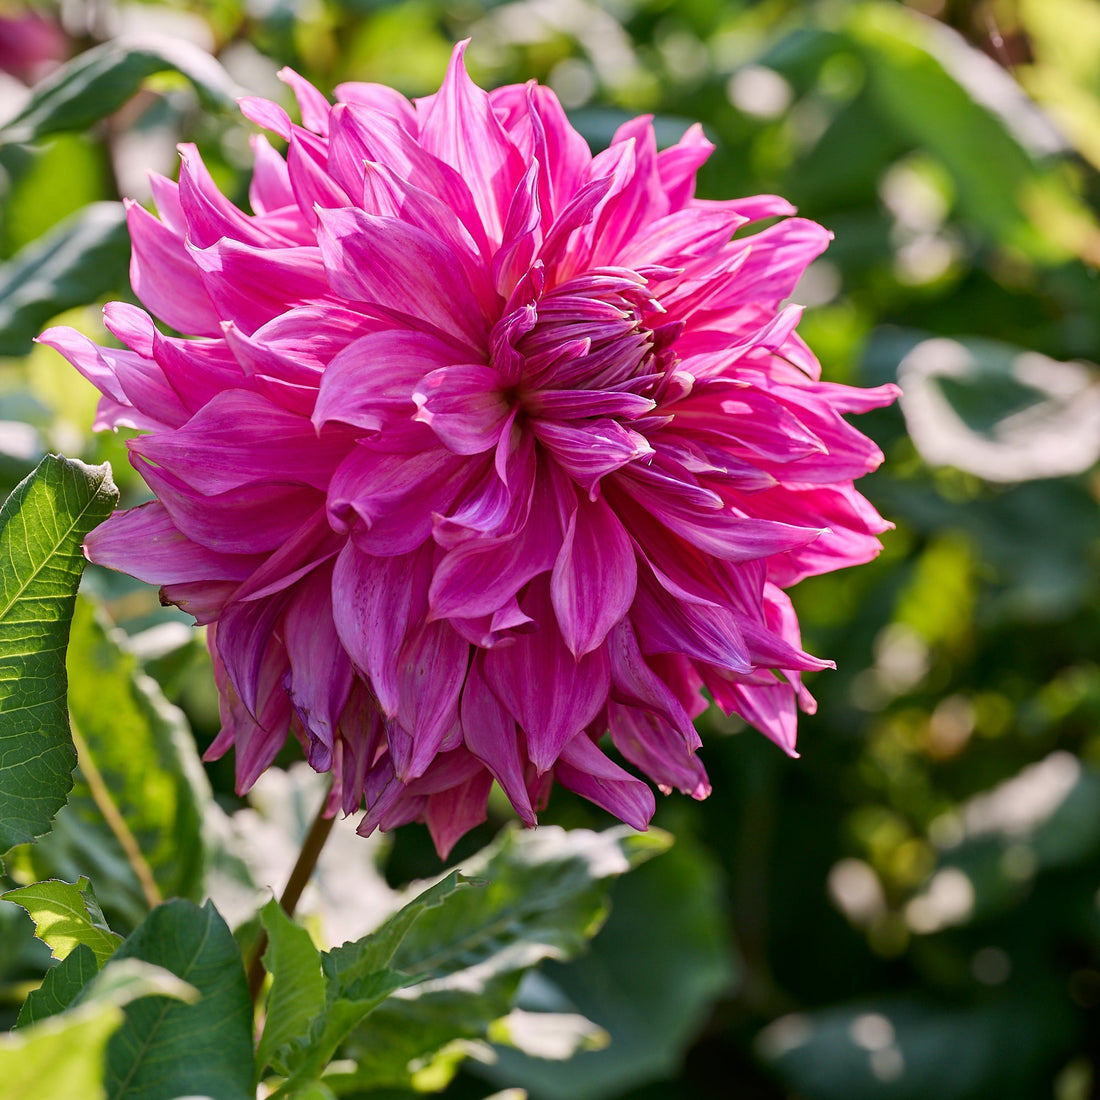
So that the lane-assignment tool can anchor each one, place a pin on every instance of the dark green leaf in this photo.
(138, 757)
(81, 258)
(42, 525)
(60, 985)
(912, 1050)
(166, 1049)
(100, 80)
(671, 915)
(66, 916)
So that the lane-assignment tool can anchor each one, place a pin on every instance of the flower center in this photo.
(600, 331)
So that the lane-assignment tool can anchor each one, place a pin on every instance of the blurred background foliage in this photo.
(913, 908)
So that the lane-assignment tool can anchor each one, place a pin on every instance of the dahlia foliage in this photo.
(484, 447)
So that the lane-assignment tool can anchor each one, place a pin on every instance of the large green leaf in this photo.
(66, 916)
(100, 80)
(79, 259)
(545, 896)
(42, 525)
(166, 1049)
(671, 914)
(134, 818)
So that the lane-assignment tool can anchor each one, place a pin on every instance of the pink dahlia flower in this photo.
(484, 447)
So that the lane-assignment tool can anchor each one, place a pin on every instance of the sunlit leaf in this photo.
(134, 818)
(42, 525)
(66, 916)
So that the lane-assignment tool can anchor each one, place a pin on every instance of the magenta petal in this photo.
(585, 770)
(165, 277)
(145, 543)
(589, 452)
(371, 382)
(452, 813)
(228, 444)
(387, 501)
(708, 633)
(313, 106)
(635, 683)
(374, 602)
(255, 519)
(320, 677)
(550, 693)
(252, 286)
(594, 577)
(461, 128)
(430, 673)
(270, 187)
(652, 744)
(401, 271)
(464, 406)
(490, 734)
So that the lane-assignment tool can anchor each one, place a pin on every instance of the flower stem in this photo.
(292, 892)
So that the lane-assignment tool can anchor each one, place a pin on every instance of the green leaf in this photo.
(78, 260)
(100, 80)
(166, 1049)
(66, 916)
(297, 995)
(60, 986)
(358, 977)
(929, 84)
(42, 525)
(671, 914)
(134, 820)
(63, 1056)
(545, 896)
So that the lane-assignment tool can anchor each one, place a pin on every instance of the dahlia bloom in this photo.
(483, 448)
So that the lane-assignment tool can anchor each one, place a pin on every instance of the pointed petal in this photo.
(374, 602)
(594, 577)
(584, 769)
(490, 733)
(550, 693)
